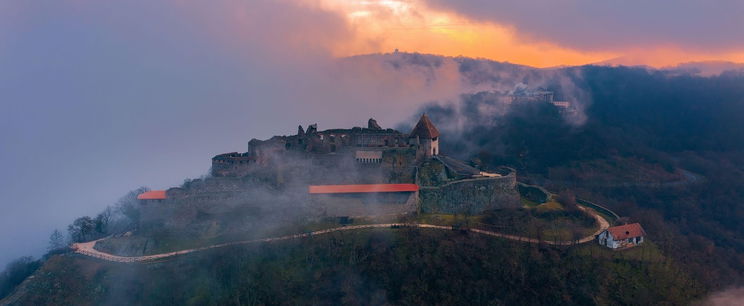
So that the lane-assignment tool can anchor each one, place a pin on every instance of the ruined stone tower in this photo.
(427, 136)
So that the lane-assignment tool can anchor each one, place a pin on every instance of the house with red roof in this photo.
(623, 236)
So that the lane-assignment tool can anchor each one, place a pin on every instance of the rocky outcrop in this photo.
(372, 124)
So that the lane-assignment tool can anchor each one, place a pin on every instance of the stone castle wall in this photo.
(471, 196)
(352, 156)
(363, 143)
(365, 205)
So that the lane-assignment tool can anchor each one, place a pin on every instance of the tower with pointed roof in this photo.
(427, 136)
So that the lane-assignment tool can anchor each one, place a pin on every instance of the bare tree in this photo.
(128, 208)
(103, 220)
(56, 241)
(623, 220)
(576, 234)
(81, 229)
(568, 200)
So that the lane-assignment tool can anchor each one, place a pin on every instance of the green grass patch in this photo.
(645, 252)
(549, 206)
(527, 203)
(163, 241)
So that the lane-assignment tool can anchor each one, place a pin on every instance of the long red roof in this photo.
(152, 195)
(365, 188)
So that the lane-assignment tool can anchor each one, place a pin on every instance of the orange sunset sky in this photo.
(418, 26)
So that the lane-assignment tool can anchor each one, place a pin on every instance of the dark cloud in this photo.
(611, 25)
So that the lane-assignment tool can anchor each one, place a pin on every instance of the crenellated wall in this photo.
(231, 164)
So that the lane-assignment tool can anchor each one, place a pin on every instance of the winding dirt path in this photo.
(86, 248)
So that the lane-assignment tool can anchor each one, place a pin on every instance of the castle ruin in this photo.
(385, 148)
(358, 172)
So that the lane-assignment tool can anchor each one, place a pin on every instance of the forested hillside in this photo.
(411, 267)
(662, 148)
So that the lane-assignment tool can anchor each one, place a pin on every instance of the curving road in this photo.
(86, 248)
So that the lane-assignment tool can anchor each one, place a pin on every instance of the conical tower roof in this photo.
(425, 128)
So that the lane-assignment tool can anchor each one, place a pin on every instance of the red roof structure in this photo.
(152, 195)
(425, 128)
(366, 188)
(627, 231)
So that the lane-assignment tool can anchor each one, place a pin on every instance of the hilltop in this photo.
(657, 147)
(253, 198)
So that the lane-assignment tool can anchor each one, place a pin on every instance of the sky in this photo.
(101, 97)
(545, 33)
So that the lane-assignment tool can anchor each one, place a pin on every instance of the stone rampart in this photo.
(380, 204)
(471, 196)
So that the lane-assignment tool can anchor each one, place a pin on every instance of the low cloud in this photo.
(728, 297)
(100, 98)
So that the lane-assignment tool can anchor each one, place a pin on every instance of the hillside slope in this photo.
(372, 267)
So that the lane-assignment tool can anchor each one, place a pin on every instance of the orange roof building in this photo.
(152, 195)
(362, 188)
(622, 236)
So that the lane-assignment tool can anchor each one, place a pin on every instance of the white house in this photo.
(622, 236)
